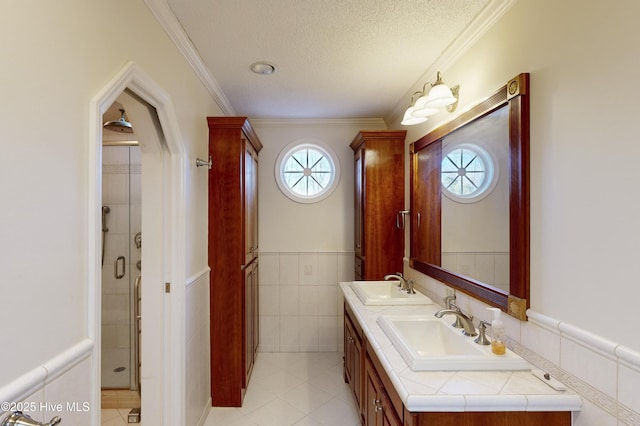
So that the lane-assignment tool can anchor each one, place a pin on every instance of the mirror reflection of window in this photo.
(467, 172)
(475, 202)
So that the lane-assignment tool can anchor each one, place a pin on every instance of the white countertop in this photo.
(439, 391)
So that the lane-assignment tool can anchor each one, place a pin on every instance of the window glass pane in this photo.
(306, 171)
(464, 171)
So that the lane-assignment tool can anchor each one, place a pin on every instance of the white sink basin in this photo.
(386, 293)
(430, 344)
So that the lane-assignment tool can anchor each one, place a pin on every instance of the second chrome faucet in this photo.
(462, 320)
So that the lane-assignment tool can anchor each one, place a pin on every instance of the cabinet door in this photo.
(251, 331)
(250, 193)
(255, 332)
(353, 361)
(358, 205)
(357, 370)
(389, 416)
(348, 352)
(248, 323)
(378, 410)
(372, 401)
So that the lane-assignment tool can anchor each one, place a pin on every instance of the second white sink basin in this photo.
(430, 344)
(387, 293)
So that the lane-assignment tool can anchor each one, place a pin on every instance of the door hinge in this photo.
(167, 287)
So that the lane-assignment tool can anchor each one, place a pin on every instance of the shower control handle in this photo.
(119, 268)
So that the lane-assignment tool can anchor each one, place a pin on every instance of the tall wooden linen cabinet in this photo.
(379, 199)
(233, 256)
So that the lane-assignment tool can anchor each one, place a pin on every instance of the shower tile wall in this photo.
(300, 303)
(121, 192)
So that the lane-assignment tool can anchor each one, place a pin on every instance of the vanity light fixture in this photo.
(431, 101)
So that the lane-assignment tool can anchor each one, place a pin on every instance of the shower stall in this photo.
(121, 265)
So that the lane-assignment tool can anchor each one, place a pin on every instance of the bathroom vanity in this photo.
(387, 392)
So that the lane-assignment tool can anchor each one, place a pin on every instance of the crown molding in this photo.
(167, 19)
(476, 29)
(366, 123)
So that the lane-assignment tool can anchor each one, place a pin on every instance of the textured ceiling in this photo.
(335, 58)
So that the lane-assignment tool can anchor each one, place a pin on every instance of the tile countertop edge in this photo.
(439, 402)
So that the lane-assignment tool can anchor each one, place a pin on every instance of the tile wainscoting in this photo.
(300, 302)
(59, 387)
(197, 351)
(605, 374)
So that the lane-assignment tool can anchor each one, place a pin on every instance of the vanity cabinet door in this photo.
(353, 360)
(378, 408)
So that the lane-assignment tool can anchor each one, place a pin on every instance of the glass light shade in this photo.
(440, 96)
(420, 109)
(409, 119)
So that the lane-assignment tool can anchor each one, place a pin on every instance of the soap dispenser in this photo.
(498, 346)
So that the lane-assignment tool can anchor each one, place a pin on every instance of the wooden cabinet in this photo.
(233, 244)
(379, 410)
(353, 357)
(379, 197)
(501, 418)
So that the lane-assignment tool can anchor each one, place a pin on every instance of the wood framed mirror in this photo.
(469, 195)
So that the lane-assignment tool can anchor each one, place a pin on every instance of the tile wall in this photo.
(198, 377)
(121, 193)
(59, 387)
(300, 302)
(605, 374)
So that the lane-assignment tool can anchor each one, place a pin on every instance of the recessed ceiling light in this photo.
(263, 68)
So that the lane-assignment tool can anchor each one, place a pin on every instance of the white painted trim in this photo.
(172, 342)
(593, 342)
(197, 276)
(365, 123)
(35, 379)
(205, 413)
(167, 19)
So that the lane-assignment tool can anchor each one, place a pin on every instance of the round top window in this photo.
(306, 171)
(468, 173)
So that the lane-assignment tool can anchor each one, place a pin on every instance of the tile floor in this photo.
(115, 417)
(286, 389)
(302, 389)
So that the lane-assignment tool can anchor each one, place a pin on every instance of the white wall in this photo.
(55, 58)
(326, 225)
(305, 249)
(584, 208)
(584, 212)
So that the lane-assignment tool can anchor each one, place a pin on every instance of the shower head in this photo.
(120, 125)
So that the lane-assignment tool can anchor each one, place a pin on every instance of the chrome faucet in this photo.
(467, 322)
(398, 276)
(449, 302)
(404, 284)
(18, 419)
(482, 337)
